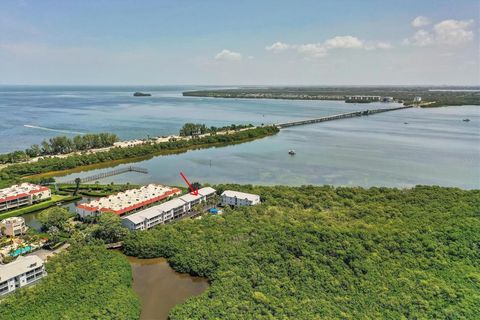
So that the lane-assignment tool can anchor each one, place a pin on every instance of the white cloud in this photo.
(421, 38)
(227, 55)
(447, 32)
(420, 21)
(383, 45)
(453, 32)
(320, 50)
(277, 47)
(372, 45)
(343, 42)
(313, 50)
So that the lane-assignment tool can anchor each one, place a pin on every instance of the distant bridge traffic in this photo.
(338, 116)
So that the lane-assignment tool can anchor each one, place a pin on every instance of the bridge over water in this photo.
(109, 174)
(338, 116)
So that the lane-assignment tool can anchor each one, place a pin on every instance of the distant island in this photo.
(422, 96)
(142, 94)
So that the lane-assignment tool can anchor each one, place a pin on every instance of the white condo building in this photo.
(22, 194)
(21, 272)
(236, 198)
(127, 201)
(167, 211)
(13, 226)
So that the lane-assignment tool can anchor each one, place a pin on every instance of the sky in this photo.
(226, 42)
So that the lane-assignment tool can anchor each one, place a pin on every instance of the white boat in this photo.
(291, 152)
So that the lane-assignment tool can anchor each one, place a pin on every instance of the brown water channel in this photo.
(161, 288)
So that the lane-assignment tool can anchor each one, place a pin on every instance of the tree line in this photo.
(13, 172)
(192, 129)
(86, 282)
(329, 253)
(61, 145)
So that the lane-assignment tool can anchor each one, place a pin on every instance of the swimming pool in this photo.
(21, 251)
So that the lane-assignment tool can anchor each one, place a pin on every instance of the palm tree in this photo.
(77, 182)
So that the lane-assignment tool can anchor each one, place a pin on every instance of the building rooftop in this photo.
(167, 206)
(20, 190)
(19, 266)
(13, 220)
(131, 199)
(206, 191)
(240, 195)
(171, 204)
(190, 197)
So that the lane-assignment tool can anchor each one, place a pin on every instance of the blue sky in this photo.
(239, 42)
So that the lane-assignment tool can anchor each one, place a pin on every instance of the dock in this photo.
(110, 173)
(338, 116)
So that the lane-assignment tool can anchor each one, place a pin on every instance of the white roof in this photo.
(206, 191)
(13, 220)
(136, 217)
(240, 195)
(131, 197)
(172, 204)
(19, 266)
(152, 212)
(24, 188)
(189, 197)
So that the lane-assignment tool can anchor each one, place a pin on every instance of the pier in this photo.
(338, 116)
(109, 174)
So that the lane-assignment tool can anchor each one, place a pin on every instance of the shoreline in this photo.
(113, 163)
(402, 94)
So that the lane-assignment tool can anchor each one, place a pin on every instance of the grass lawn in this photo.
(38, 206)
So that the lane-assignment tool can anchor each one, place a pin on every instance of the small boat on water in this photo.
(466, 120)
(291, 152)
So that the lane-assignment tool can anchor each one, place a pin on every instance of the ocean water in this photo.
(400, 148)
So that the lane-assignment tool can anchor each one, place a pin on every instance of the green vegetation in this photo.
(95, 190)
(191, 129)
(109, 228)
(87, 282)
(14, 172)
(39, 206)
(57, 223)
(54, 217)
(61, 145)
(330, 253)
(406, 94)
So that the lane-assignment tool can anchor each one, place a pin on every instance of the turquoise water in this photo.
(20, 251)
(400, 149)
(31, 114)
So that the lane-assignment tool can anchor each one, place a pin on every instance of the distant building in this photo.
(388, 99)
(362, 98)
(22, 195)
(417, 99)
(21, 272)
(235, 198)
(167, 211)
(128, 201)
(13, 226)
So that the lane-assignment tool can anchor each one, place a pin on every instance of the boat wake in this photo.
(50, 129)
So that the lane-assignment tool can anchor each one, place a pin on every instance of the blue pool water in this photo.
(21, 251)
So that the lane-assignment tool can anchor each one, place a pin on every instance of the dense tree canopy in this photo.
(330, 253)
(109, 228)
(87, 282)
(54, 217)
